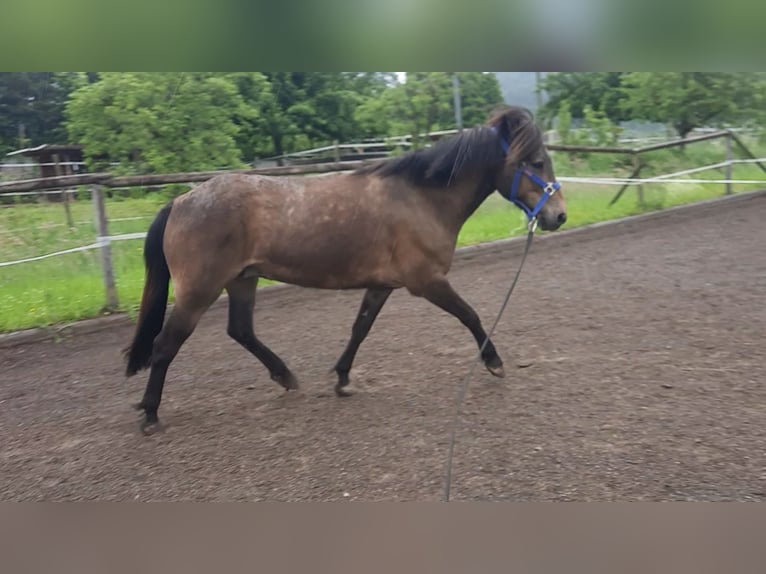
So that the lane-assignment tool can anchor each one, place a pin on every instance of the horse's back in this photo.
(335, 231)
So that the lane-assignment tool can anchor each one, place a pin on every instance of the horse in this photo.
(382, 227)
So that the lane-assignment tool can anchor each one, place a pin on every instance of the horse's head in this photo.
(526, 177)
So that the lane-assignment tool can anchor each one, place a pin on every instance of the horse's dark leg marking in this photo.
(176, 330)
(372, 303)
(241, 303)
(440, 293)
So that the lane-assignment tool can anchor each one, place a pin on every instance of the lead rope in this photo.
(464, 385)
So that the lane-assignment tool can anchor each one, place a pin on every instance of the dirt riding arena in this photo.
(646, 340)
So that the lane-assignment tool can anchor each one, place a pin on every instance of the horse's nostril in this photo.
(561, 219)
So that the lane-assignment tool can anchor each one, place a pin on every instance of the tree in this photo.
(424, 103)
(32, 107)
(599, 91)
(317, 108)
(689, 100)
(479, 94)
(254, 119)
(157, 122)
(372, 84)
(163, 122)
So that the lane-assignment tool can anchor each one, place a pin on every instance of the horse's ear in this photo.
(515, 138)
(504, 130)
(523, 131)
(515, 126)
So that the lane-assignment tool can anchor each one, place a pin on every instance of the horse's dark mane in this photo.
(475, 149)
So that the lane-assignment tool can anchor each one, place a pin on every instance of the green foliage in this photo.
(152, 122)
(595, 129)
(684, 100)
(564, 122)
(479, 94)
(582, 90)
(424, 103)
(411, 108)
(688, 100)
(420, 103)
(164, 122)
(317, 108)
(157, 122)
(32, 107)
(253, 120)
(598, 128)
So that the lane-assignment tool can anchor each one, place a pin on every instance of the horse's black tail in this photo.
(154, 300)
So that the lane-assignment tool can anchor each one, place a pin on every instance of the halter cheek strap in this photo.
(548, 187)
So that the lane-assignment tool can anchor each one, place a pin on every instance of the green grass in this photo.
(70, 287)
(497, 219)
(67, 287)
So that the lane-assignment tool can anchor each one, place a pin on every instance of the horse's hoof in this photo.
(343, 391)
(151, 428)
(496, 367)
(287, 380)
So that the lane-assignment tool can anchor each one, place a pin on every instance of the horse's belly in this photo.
(313, 274)
(327, 273)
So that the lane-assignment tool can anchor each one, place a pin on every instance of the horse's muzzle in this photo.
(551, 221)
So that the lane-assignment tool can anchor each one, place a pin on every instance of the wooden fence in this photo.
(98, 182)
(729, 136)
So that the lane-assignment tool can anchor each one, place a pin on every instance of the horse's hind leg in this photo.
(439, 292)
(241, 303)
(181, 323)
(371, 305)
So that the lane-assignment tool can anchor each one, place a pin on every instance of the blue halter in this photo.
(548, 187)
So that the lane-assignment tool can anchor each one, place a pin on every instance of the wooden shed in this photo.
(54, 159)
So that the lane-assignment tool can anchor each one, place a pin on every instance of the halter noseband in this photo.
(548, 187)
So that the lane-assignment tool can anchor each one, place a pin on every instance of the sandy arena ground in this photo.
(647, 383)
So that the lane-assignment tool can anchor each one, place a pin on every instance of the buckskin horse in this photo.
(382, 227)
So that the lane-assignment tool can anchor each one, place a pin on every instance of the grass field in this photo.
(70, 287)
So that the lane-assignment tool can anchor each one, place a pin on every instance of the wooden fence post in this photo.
(728, 169)
(635, 174)
(336, 151)
(105, 248)
(746, 150)
(637, 169)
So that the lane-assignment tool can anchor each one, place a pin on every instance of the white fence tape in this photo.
(626, 181)
(56, 253)
(100, 242)
(16, 231)
(670, 177)
(666, 178)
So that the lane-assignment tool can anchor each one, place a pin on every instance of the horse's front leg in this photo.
(439, 292)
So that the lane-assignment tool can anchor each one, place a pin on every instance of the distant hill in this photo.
(518, 88)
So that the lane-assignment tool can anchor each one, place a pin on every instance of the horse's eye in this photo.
(538, 164)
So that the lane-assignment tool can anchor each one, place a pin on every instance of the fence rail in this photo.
(113, 181)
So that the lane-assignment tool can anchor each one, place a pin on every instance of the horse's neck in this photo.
(460, 202)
